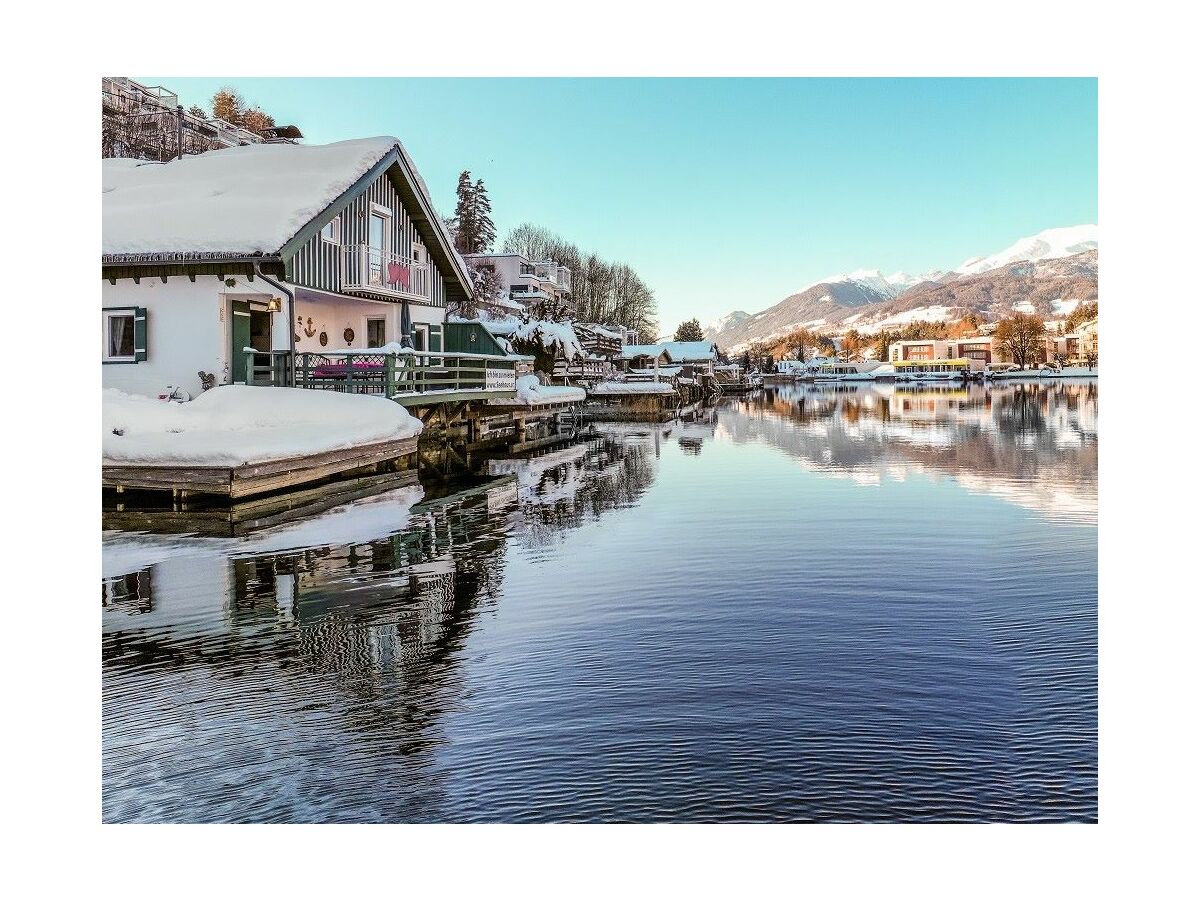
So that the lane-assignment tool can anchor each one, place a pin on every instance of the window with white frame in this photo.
(379, 226)
(121, 331)
(332, 231)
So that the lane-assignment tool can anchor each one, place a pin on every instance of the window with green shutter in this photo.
(139, 334)
(124, 334)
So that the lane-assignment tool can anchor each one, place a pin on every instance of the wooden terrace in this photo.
(412, 378)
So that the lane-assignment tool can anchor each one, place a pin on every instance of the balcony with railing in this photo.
(411, 378)
(548, 273)
(368, 270)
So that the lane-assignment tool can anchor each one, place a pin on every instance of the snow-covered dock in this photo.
(532, 393)
(640, 401)
(237, 441)
(631, 389)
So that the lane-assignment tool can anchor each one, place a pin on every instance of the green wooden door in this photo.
(239, 329)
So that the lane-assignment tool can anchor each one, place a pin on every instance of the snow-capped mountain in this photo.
(873, 281)
(729, 320)
(1049, 273)
(902, 281)
(1053, 243)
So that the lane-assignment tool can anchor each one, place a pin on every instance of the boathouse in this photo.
(275, 264)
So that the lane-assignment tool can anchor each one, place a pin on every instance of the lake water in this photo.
(863, 604)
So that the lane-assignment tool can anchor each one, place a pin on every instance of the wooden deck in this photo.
(231, 520)
(252, 479)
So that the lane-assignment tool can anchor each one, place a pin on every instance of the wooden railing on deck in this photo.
(386, 374)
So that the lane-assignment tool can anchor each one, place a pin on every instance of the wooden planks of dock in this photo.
(251, 479)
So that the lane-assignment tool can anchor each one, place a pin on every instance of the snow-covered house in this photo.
(698, 358)
(277, 247)
(635, 357)
(701, 356)
(538, 286)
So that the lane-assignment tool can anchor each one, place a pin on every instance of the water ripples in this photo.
(637, 630)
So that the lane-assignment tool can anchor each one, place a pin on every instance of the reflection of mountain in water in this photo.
(1034, 445)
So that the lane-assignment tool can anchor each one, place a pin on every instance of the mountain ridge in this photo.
(1048, 273)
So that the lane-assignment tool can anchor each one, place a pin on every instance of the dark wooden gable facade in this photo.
(313, 261)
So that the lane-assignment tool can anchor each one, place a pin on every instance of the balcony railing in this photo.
(401, 376)
(528, 295)
(550, 273)
(367, 269)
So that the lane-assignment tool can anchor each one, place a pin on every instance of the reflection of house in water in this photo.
(376, 612)
(1033, 445)
(691, 431)
(360, 613)
(564, 488)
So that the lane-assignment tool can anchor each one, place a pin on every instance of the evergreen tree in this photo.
(689, 331)
(464, 213)
(485, 231)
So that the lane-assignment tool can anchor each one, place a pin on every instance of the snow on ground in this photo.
(236, 424)
(613, 388)
(920, 314)
(1024, 306)
(1064, 307)
(531, 392)
(502, 327)
(358, 522)
(551, 335)
(238, 200)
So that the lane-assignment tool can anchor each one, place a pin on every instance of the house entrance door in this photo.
(239, 332)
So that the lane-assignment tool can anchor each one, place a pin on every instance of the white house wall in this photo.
(186, 331)
(334, 314)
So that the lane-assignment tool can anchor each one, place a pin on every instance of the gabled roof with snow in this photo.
(249, 201)
(240, 200)
(684, 351)
(629, 351)
(678, 351)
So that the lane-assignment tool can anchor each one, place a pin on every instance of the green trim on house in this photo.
(471, 337)
(139, 335)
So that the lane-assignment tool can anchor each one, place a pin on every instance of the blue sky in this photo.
(731, 193)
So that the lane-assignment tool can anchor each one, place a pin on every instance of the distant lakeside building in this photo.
(1074, 348)
(537, 287)
(976, 348)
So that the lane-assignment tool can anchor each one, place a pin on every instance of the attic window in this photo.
(332, 230)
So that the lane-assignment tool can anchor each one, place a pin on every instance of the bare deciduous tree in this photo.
(1018, 337)
(605, 292)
